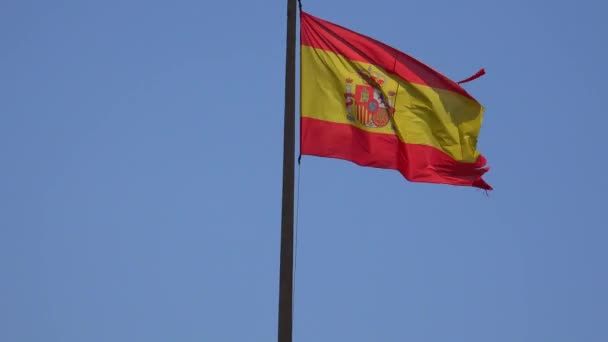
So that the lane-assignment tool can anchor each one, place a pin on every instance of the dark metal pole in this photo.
(286, 272)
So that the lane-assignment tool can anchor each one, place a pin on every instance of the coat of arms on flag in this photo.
(366, 102)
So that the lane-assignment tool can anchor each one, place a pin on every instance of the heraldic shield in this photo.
(365, 103)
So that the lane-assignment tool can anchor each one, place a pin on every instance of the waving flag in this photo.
(373, 105)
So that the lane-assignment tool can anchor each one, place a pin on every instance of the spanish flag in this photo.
(368, 103)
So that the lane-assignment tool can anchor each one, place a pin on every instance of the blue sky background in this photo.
(140, 179)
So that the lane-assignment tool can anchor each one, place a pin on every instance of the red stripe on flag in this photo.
(417, 163)
(324, 35)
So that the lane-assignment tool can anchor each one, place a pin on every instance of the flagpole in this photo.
(286, 261)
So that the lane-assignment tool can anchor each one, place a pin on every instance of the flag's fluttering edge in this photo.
(368, 103)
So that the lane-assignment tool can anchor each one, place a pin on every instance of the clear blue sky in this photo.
(140, 179)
